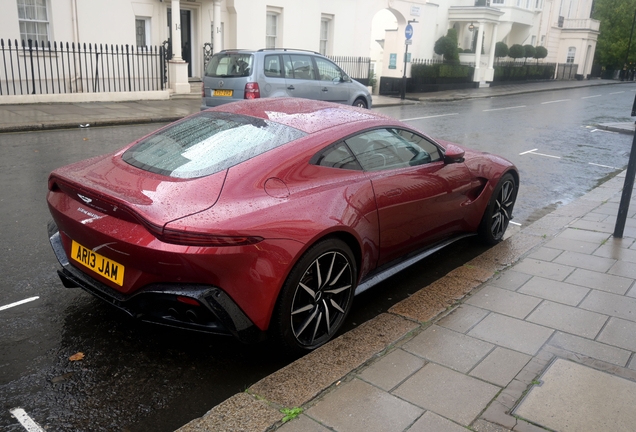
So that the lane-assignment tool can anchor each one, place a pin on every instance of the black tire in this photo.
(316, 297)
(499, 210)
(360, 103)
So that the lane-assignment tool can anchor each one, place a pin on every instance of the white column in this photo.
(176, 30)
(216, 39)
(177, 68)
(490, 72)
(478, 48)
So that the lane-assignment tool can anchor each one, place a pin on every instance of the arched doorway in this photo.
(387, 45)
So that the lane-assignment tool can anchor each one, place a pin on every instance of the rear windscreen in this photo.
(225, 65)
(207, 143)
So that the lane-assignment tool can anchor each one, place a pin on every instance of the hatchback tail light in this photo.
(252, 91)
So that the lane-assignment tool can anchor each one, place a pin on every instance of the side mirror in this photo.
(453, 154)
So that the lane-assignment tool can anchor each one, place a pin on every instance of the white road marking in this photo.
(555, 101)
(617, 92)
(534, 152)
(604, 166)
(507, 108)
(588, 97)
(18, 303)
(26, 421)
(514, 223)
(602, 130)
(427, 117)
(529, 151)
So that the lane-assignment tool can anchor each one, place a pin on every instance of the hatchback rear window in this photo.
(223, 65)
(207, 143)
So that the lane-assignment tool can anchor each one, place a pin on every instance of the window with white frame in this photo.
(497, 2)
(142, 31)
(571, 54)
(325, 34)
(271, 35)
(34, 20)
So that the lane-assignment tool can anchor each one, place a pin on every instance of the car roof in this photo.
(303, 114)
(270, 51)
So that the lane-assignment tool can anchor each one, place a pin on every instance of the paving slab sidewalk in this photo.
(537, 333)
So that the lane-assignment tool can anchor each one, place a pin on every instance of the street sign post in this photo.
(408, 34)
(628, 186)
(408, 31)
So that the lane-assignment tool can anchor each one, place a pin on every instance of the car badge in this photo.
(221, 83)
(86, 199)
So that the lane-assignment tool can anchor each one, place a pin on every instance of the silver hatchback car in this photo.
(232, 75)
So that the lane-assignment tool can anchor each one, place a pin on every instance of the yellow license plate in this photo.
(99, 264)
(223, 92)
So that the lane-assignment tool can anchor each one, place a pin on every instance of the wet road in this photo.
(550, 136)
(140, 377)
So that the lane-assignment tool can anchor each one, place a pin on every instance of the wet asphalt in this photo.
(139, 377)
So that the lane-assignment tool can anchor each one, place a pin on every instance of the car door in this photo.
(300, 76)
(333, 87)
(420, 197)
(275, 83)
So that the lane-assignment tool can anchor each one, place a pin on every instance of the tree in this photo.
(447, 46)
(517, 51)
(616, 22)
(529, 52)
(540, 52)
(501, 50)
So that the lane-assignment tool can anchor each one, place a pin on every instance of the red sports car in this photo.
(268, 216)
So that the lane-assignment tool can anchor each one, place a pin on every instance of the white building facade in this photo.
(332, 27)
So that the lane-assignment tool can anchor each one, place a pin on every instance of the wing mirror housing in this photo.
(454, 154)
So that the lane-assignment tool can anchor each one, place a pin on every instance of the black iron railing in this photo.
(356, 67)
(45, 68)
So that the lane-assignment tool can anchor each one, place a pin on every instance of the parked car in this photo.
(241, 74)
(267, 216)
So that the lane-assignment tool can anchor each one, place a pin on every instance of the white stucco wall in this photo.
(244, 24)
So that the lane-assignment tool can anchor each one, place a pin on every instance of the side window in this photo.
(421, 142)
(273, 67)
(327, 71)
(302, 67)
(336, 156)
(382, 149)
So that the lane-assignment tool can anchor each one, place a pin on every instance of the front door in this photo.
(420, 198)
(333, 88)
(186, 36)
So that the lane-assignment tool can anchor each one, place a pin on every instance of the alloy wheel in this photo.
(321, 298)
(502, 210)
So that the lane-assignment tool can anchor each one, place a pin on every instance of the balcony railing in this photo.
(581, 24)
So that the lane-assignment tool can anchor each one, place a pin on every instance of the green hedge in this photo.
(528, 72)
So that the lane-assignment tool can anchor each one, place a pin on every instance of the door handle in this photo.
(291, 87)
(325, 89)
(393, 192)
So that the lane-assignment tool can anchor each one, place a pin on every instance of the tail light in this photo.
(189, 238)
(252, 91)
